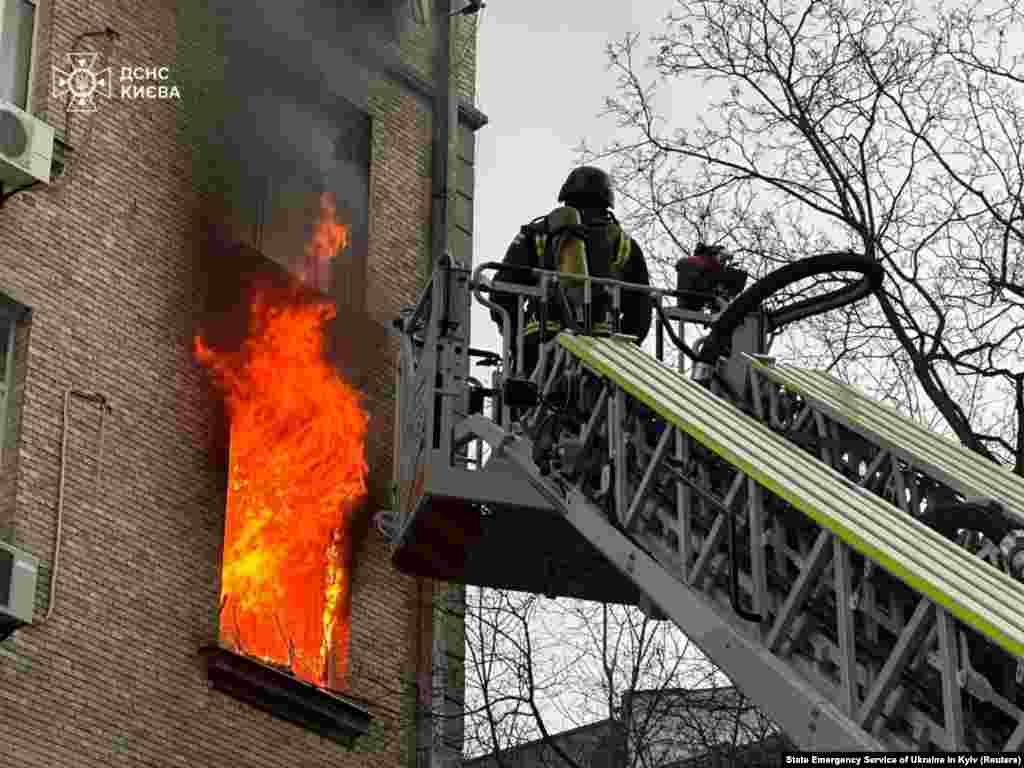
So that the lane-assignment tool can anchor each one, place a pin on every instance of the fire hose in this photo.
(751, 299)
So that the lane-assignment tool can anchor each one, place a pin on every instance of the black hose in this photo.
(734, 567)
(693, 356)
(817, 305)
(751, 299)
(682, 345)
(734, 574)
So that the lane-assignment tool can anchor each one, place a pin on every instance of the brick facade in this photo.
(111, 260)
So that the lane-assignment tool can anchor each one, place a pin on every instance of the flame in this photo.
(328, 238)
(297, 476)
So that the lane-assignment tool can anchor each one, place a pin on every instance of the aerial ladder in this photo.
(856, 575)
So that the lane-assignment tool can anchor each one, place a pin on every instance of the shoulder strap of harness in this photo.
(623, 247)
(536, 231)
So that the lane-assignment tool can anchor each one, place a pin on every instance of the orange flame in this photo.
(297, 476)
(329, 237)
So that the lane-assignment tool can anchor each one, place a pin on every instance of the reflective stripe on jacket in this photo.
(573, 259)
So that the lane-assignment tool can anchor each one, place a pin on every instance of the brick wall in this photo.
(110, 259)
(464, 37)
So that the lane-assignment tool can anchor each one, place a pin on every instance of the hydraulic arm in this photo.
(853, 573)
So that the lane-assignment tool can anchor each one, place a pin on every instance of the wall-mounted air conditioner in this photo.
(26, 147)
(18, 575)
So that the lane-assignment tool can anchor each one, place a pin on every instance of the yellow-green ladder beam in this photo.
(903, 437)
(969, 588)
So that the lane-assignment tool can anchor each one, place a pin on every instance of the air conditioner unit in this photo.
(26, 147)
(18, 574)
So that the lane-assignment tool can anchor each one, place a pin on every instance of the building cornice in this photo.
(407, 77)
(383, 57)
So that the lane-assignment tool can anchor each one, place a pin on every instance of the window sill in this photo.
(285, 697)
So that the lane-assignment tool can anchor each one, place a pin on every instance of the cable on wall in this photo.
(105, 410)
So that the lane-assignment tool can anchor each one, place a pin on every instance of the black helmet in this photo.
(588, 187)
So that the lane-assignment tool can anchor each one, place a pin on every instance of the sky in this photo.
(542, 79)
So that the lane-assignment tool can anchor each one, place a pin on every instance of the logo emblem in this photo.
(82, 82)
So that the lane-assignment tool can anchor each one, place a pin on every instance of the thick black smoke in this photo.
(288, 90)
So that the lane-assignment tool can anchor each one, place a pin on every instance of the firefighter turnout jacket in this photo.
(609, 253)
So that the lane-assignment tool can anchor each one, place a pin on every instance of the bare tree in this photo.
(880, 127)
(537, 667)
(667, 728)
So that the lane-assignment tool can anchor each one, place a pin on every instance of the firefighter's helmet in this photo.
(587, 187)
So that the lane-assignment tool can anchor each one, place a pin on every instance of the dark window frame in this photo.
(12, 314)
(26, 49)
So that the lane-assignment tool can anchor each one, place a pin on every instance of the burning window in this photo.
(297, 470)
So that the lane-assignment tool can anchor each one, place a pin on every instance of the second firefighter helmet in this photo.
(587, 187)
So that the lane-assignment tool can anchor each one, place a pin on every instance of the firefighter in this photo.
(609, 252)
